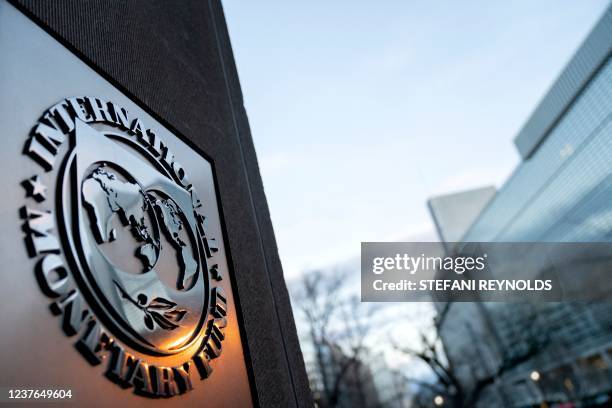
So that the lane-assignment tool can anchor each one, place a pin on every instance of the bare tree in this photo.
(447, 384)
(337, 325)
(317, 300)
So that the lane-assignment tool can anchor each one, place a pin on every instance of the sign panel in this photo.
(114, 260)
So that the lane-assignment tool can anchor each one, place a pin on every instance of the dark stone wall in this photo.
(175, 60)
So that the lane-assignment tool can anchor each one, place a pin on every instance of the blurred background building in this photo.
(521, 355)
(390, 121)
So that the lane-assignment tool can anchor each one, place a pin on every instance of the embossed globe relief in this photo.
(124, 250)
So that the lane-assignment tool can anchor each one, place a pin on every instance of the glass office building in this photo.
(560, 192)
(563, 191)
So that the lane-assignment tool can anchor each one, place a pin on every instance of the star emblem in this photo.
(35, 188)
(215, 272)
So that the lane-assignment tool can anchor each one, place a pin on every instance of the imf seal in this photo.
(123, 249)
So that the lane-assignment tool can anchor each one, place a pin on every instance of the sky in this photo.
(360, 111)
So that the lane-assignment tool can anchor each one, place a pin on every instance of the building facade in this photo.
(560, 192)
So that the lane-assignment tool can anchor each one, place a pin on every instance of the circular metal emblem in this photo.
(124, 250)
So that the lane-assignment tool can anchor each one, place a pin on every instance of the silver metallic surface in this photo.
(142, 305)
(148, 260)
